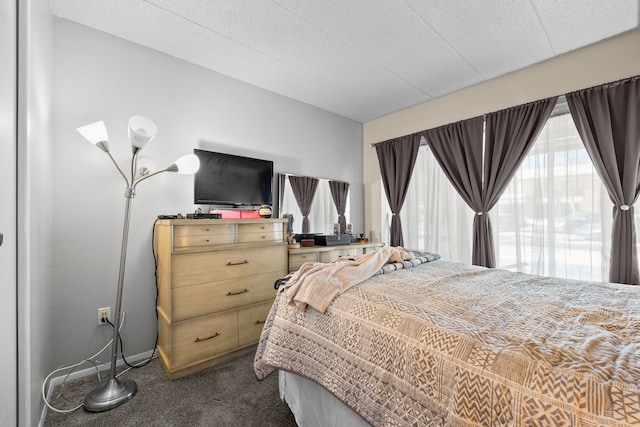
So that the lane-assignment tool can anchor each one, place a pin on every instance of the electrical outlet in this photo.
(106, 312)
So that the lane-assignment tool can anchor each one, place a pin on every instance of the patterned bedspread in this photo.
(447, 344)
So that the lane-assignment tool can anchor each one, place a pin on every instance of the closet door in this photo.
(8, 160)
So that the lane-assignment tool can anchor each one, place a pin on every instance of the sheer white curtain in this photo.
(434, 217)
(554, 219)
(323, 212)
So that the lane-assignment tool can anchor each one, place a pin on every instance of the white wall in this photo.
(100, 77)
(34, 205)
(607, 61)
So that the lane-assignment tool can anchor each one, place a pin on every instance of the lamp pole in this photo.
(115, 392)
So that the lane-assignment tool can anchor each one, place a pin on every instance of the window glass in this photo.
(434, 216)
(554, 217)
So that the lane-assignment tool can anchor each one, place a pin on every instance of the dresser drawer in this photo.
(260, 227)
(193, 341)
(251, 321)
(202, 229)
(272, 232)
(296, 260)
(203, 267)
(199, 300)
(204, 240)
(186, 236)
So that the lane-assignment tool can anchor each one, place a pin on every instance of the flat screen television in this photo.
(226, 179)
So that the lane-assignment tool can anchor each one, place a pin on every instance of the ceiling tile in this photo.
(358, 58)
(494, 37)
(391, 35)
(575, 23)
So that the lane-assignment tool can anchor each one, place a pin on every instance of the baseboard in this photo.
(53, 382)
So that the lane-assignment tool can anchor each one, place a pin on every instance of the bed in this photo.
(440, 343)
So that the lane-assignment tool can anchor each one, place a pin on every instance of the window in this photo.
(553, 219)
(434, 217)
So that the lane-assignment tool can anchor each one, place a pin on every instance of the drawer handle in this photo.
(238, 263)
(238, 293)
(259, 322)
(207, 338)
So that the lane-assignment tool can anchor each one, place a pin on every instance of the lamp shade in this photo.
(141, 131)
(145, 165)
(186, 165)
(96, 133)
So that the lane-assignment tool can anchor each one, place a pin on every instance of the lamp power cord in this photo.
(95, 362)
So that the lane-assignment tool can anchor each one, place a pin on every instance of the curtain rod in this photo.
(423, 141)
(560, 108)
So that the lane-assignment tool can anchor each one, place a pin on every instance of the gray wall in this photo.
(100, 77)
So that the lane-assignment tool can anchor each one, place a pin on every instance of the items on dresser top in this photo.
(200, 215)
(332, 239)
(215, 287)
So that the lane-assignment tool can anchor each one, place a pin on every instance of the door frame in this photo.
(9, 393)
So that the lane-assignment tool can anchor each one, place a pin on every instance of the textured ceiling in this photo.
(361, 59)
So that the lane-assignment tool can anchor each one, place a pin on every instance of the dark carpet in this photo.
(225, 395)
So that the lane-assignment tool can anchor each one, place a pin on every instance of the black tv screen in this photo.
(226, 179)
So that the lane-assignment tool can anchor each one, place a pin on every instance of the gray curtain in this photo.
(304, 189)
(509, 135)
(481, 175)
(608, 120)
(397, 158)
(458, 150)
(339, 191)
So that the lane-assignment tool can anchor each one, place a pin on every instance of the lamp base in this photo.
(109, 395)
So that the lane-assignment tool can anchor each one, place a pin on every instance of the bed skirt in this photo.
(313, 406)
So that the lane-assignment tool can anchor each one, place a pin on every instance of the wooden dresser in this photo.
(215, 287)
(299, 256)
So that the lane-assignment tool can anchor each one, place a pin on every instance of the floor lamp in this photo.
(141, 130)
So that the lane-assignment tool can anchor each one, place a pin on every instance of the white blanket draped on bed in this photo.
(316, 284)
